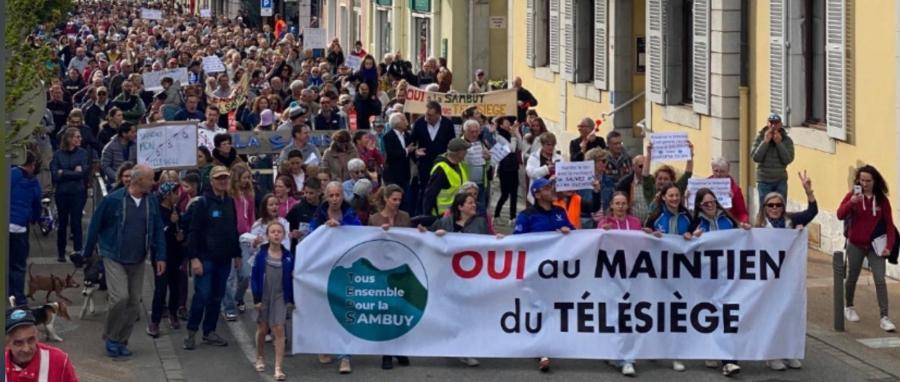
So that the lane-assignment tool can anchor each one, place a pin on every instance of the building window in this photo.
(687, 52)
(421, 43)
(583, 33)
(383, 25)
(813, 35)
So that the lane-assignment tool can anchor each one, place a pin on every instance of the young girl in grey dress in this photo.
(270, 281)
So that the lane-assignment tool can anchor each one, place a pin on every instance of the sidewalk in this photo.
(882, 362)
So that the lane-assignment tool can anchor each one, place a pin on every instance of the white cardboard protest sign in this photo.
(213, 64)
(167, 145)
(670, 146)
(205, 13)
(314, 38)
(721, 187)
(151, 14)
(206, 137)
(572, 176)
(624, 294)
(354, 62)
(499, 151)
(152, 80)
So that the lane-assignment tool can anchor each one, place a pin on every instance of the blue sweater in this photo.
(705, 224)
(258, 274)
(109, 220)
(536, 219)
(661, 223)
(321, 216)
(25, 198)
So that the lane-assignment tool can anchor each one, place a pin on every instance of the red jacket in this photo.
(48, 361)
(864, 221)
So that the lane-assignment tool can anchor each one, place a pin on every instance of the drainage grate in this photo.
(881, 343)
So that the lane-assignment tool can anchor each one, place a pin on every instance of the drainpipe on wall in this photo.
(746, 165)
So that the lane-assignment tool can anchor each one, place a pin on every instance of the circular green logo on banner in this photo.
(378, 289)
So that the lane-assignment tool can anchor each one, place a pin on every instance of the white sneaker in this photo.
(730, 369)
(678, 366)
(850, 314)
(887, 325)
(470, 362)
(628, 369)
(776, 364)
(711, 364)
(794, 363)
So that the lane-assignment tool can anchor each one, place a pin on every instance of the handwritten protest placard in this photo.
(314, 38)
(670, 146)
(153, 80)
(205, 13)
(151, 14)
(498, 103)
(571, 176)
(354, 62)
(213, 64)
(167, 145)
(719, 186)
(499, 151)
(206, 137)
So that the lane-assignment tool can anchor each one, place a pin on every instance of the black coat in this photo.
(396, 164)
(420, 136)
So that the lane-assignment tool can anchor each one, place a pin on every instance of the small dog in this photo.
(51, 284)
(45, 315)
(94, 279)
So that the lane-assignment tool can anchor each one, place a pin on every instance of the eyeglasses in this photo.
(708, 204)
(775, 205)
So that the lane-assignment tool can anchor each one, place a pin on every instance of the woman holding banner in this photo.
(772, 215)
(708, 216)
(871, 235)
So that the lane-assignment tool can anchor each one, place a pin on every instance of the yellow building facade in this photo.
(716, 69)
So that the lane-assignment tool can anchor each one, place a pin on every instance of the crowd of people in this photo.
(230, 224)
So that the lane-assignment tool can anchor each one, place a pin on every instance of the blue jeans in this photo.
(764, 188)
(208, 292)
(237, 284)
(70, 208)
(17, 266)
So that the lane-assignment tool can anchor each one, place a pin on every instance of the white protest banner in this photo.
(721, 187)
(571, 176)
(314, 38)
(206, 137)
(213, 64)
(499, 151)
(205, 13)
(151, 14)
(589, 294)
(167, 145)
(496, 103)
(153, 80)
(354, 62)
(670, 146)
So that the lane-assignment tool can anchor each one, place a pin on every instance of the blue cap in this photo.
(539, 183)
(774, 117)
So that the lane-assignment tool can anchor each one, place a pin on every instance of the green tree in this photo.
(28, 67)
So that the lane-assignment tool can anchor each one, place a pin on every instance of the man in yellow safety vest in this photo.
(447, 175)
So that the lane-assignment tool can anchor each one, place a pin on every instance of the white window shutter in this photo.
(601, 36)
(656, 50)
(554, 35)
(778, 57)
(836, 69)
(701, 56)
(569, 40)
(529, 34)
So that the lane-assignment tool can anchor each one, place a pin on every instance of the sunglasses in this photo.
(775, 205)
(708, 204)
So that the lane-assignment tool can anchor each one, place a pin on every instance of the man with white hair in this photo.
(358, 171)
(296, 92)
(586, 140)
(398, 147)
(721, 169)
(477, 162)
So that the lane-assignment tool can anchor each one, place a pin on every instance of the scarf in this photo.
(226, 160)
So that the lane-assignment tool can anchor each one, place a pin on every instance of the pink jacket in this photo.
(628, 223)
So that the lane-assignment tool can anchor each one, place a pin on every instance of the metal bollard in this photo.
(837, 262)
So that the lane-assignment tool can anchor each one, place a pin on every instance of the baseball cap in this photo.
(479, 72)
(218, 171)
(458, 144)
(166, 188)
(540, 183)
(18, 317)
(344, 99)
(297, 111)
(774, 117)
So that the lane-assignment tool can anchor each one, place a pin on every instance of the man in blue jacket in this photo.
(24, 208)
(543, 216)
(126, 226)
(213, 246)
